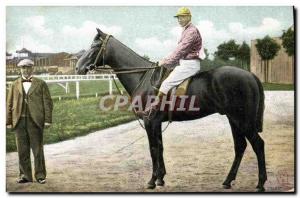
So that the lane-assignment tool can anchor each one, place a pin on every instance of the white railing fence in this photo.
(64, 80)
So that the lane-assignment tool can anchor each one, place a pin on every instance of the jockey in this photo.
(185, 59)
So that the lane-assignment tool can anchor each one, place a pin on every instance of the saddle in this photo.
(159, 76)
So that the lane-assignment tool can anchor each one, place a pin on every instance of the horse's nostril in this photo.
(76, 68)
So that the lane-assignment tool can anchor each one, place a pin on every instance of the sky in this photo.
(148, 30)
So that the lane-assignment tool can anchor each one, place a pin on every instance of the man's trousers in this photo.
(30, 136)
(184, 70)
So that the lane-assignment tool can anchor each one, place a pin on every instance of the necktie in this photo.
(27, 80)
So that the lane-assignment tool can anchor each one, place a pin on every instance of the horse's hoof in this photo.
(226, 186)
(260, 189)
(160, 182)
(151, 185)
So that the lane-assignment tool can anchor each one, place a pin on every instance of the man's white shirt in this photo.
(26, 85)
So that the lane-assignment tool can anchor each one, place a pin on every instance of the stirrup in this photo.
(150, 112)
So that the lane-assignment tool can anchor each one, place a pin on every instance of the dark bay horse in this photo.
(230, 91)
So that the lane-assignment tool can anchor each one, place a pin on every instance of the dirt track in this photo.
(198, 155)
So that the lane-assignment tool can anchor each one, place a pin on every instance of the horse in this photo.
(227, 90)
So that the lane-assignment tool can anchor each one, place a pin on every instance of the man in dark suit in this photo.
(29, 110)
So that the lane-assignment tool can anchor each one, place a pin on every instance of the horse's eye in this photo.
(96, 44)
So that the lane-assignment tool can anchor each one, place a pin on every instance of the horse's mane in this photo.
(132, 52)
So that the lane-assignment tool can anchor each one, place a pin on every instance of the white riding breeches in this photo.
(184, 70)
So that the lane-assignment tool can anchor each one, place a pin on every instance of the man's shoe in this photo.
(22, 181)
(41, 181)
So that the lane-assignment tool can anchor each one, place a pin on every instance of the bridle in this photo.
(103, 67)
(101, 52)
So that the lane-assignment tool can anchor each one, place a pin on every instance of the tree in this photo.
(227, 50)
(288, 42)
(146, 57)
(206, 54)
(267, 49)
(243, 54)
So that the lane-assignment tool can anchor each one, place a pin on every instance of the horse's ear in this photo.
(99, 31)
(99, 35)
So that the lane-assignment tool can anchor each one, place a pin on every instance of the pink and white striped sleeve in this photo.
(183, 48)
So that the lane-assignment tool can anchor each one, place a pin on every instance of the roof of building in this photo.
(23, 50)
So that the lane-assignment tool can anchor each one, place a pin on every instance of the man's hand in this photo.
(9, 126)
(47, 125)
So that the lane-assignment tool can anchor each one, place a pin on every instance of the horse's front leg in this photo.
(161, 170)
(153, 129)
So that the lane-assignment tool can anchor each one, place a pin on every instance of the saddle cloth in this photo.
(158, 77)
(182, 88)
(162, 75)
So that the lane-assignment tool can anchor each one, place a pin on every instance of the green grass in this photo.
(278, 87)
(73, 118)
(86, 88)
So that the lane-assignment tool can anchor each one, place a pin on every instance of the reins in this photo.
(95, 67)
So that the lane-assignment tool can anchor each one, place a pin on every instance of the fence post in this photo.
(67, 87)
(77, 90)
(110, 85)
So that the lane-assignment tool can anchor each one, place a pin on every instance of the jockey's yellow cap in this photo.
(183, 11)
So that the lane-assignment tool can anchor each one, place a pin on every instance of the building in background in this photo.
(9, 56)
(281, 68)
(50, 63)
(72, 59)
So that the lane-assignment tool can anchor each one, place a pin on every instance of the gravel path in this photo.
(198, 155)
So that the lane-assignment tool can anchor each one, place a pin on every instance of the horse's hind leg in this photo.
(258, 147)
(240, 145)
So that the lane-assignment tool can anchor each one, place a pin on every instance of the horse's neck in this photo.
(120, 57)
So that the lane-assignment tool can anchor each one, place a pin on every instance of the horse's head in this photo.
(89, 57)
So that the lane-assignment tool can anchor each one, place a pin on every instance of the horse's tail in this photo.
(261, 106)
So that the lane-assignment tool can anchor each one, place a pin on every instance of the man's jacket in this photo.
(39, 101)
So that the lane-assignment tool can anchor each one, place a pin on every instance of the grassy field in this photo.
(278, 87)
(87, 89)
(90, 88)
